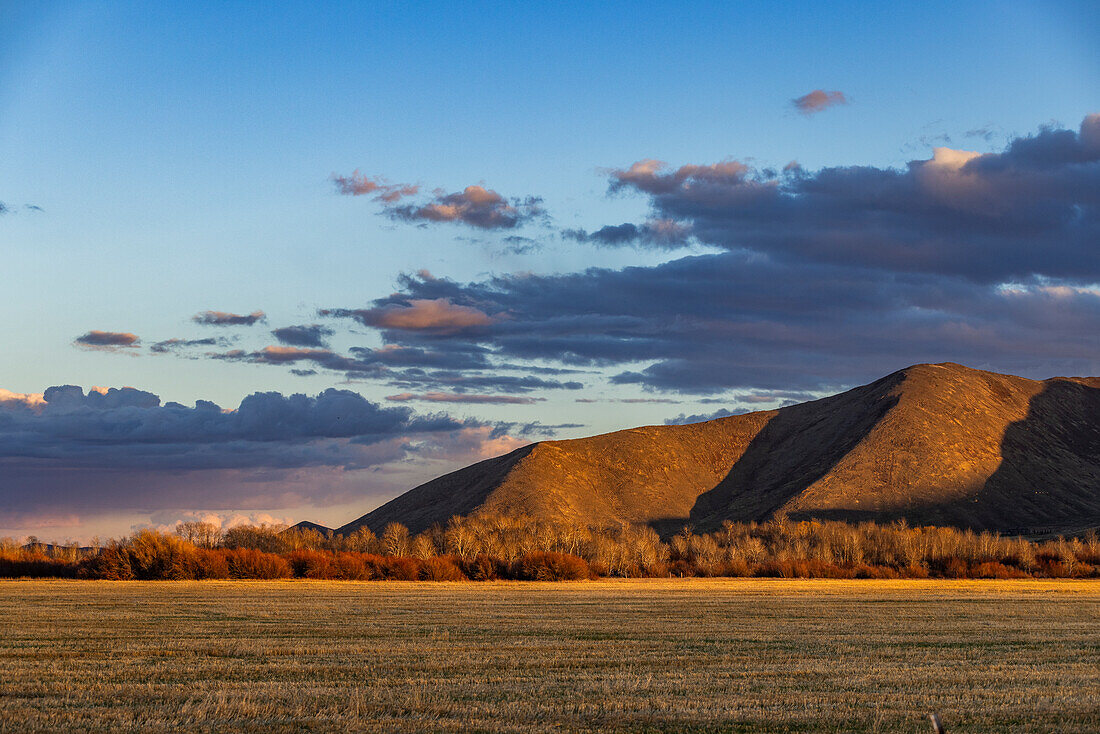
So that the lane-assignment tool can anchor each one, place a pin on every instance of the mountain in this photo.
(307, 525)
(934, 444)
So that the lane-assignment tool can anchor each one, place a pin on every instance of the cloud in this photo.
(817, 101)
(731, 320)
(475, 206)
(658, 233)
(410, 363)
(447, 397)
(815, 280)
(7, 209)
(359, 185)
(310, 335)
(107, 340)
(435, 315)
(683, 420)
(174, 345)
(11, 400)
(122, 449)
(1030, 210)
(534, 428)
(221, 318)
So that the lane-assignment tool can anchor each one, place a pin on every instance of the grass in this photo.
(693, 655)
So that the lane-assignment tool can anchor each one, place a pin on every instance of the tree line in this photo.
(486, 547)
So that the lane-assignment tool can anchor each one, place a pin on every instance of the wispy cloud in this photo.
(175, 344)
(450, 397)
(107, 340)
(222, 318)
(475, 206)
(817, 101)
(359, 185)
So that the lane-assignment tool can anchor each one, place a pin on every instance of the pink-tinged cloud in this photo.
(450, 397)
(359, 185)
(106, 340)
(818, 100)
(482, 442)
(438, 315)
(9, 399)
(293, 354)
(223, 318)
(476, 206)
(653, 177)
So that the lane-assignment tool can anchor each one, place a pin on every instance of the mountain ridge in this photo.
(933, 443)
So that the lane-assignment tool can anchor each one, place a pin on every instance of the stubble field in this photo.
(695, 655)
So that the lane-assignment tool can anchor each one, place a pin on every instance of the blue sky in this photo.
(182, 161)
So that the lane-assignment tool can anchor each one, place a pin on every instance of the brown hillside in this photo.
(935, 444)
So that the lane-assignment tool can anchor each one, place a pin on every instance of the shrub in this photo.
(211, 564)
(401, 568)
(955, 568)
(22, 563)
(995, 570)
(440, 569)
(159, 556)
(548, 566)
(111, 563)
(350, 567)
(249, 563)
(310, 564)
(483, 568)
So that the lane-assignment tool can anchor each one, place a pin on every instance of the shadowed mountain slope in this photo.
(935, 444)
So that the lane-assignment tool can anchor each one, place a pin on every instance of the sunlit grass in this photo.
(635, 655)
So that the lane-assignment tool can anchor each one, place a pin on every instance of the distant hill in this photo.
(307, 525)
(934, 444)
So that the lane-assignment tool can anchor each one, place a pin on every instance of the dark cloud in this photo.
(309, 335)
(379, 364)
(107, 340)
(475, 206)
(1031, 210)
(817, 101)
(174, 345)
(735, 320)
(221, 318)
(449, 397)
(659, 233)
(535, 428)
(122, 448)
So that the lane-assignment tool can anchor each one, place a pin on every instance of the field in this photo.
(692, 655)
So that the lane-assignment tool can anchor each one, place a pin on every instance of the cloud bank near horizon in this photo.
(67, 452)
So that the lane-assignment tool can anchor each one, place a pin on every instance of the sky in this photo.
(283, 262)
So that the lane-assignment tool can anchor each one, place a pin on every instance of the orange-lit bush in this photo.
(310, 564)
(440, 569)
(247, 563)
(549, 566)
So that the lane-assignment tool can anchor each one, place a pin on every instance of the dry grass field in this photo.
(694, 655)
